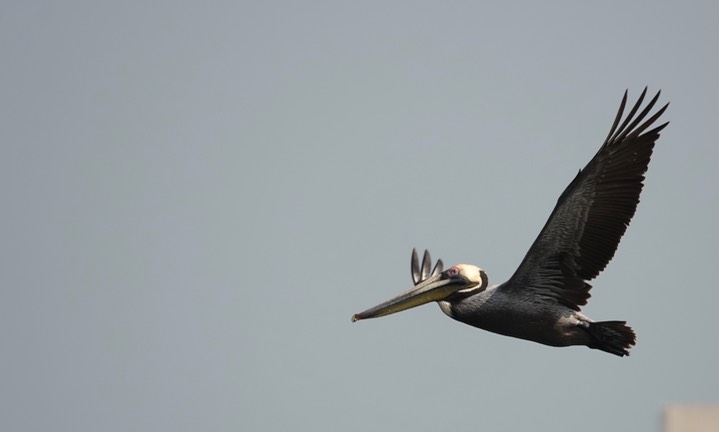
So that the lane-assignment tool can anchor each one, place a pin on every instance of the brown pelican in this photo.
(541, 301)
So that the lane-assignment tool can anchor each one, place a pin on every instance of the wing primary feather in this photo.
(438, 268)
(426, 264)
(422, 272)
(648, 123)
(415, 267)
(618, 118)
(629, 117)
(630, 132)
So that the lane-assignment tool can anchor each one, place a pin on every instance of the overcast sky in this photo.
(196, 197)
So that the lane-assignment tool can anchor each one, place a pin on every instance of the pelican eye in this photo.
(454, 271)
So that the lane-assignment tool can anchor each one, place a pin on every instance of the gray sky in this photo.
(197, 197)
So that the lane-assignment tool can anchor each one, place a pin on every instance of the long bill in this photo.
(433, 289)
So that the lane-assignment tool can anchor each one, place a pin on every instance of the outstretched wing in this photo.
(591, 215)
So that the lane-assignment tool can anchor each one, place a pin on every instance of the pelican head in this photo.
(462, 280)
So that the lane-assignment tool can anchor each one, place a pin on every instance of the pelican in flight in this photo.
(542, 300)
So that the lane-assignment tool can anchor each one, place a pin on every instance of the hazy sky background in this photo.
(197, 197)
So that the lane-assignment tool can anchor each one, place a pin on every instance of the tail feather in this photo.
(614, 337)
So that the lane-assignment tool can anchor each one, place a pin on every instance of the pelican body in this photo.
(542, 300)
